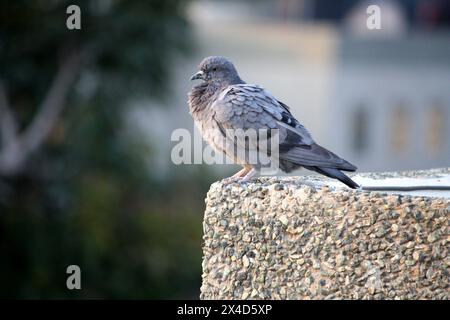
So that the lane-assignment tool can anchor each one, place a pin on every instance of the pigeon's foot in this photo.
(231, 179)
(239, 176)
(249, 175)
(241, 173)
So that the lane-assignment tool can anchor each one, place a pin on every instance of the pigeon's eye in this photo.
(214, 69)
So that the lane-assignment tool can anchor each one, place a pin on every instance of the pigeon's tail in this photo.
(335, 174)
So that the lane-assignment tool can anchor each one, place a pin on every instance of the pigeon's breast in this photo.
(199, 107)
(200, 99)
(209, 129)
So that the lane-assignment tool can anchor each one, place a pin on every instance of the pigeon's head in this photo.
(217, 69)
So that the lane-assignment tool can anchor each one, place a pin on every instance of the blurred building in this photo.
(392, 102)
(379, 98)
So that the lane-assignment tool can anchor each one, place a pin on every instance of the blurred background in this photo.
(86, 118)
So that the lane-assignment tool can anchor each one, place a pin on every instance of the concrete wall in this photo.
(297, 238)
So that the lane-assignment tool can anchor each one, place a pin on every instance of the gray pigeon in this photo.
(223, 101)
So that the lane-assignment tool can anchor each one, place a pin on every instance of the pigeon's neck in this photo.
(203, 94)
(221, 84)
(200, 97)
(235, 80)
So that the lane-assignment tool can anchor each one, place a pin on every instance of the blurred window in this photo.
(435, 129)
(360, 129)
(400, 133)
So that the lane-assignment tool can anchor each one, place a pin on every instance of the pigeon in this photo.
(222, 101)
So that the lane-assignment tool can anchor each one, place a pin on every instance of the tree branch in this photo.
(8, 125)
(17, 147)
(52, 105)
(9, 152)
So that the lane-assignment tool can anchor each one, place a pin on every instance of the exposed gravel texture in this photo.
(295, 238)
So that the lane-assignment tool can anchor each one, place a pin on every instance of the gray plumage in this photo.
(224, 101)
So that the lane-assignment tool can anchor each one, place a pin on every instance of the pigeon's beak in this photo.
(198, 75)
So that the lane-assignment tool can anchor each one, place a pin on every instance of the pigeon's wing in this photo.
(246, 106)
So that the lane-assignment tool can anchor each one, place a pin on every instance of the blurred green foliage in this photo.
(87, 196)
